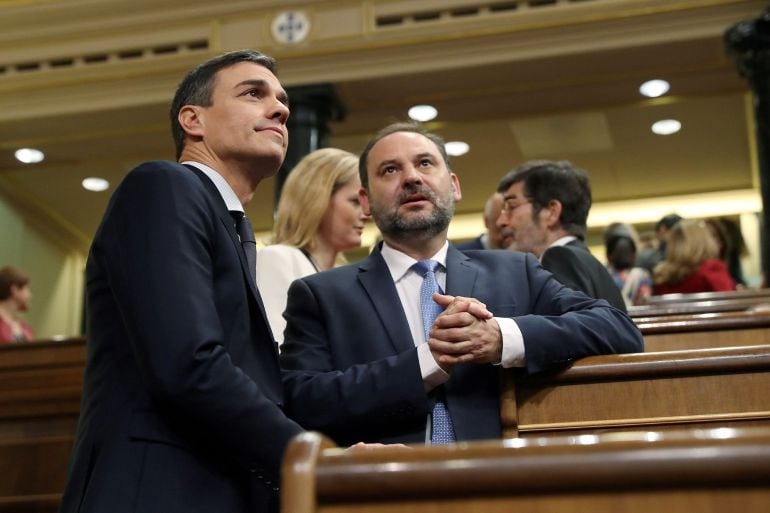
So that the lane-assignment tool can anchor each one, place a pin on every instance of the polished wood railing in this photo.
(705, 330)
(637, 472)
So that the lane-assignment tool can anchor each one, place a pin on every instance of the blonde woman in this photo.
(319, 217)
(692, 262)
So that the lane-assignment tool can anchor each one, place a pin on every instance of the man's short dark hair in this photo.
(546, 180)
(416, 128)
(197, 87)
(668, 221)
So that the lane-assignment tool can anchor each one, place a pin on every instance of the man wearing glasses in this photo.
(545, 206)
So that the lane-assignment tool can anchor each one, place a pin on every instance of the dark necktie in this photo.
(249, 244)
(442, 431)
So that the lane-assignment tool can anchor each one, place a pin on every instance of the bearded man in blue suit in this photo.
(357, 362)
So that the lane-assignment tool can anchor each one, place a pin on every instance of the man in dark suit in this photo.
(182, 399)
(546, 206)
(356, 365)
(495, 237)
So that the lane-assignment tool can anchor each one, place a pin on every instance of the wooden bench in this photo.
(40, 390)
(709, 296)
(703, 331)
(675, 472)
(699, 307)
(696, 388)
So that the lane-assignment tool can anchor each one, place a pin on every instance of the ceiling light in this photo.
(666, 127)
(457, 148)
(29, 155)
(423, 113)
(95, 184)
(654, 88)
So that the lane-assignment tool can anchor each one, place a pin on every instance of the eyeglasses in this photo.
(509, 205)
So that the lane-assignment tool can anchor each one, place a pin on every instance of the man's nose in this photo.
(412, 174)
(502, 221)
(280, 111)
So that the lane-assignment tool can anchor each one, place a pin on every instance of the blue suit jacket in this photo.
(182, 396)
(351, 367)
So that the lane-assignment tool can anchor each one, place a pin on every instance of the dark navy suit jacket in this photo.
(476, 243)
(182, 400)
(350, 364)
(573, 265)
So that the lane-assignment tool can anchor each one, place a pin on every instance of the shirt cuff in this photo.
(432, 374)
(513, 343)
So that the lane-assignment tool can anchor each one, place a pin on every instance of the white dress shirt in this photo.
(408, 283)
(228, 194)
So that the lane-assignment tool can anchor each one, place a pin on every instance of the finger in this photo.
(451, 348)
(463, 304)
(442, 299)
(451, 360)
(451, 335)
(454, 320)
(479, 310)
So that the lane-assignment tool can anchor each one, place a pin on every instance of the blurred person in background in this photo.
(650, 257)
(319, 217)
(732, 246)
(692, 262)
(15, 296)
(635, 283)
(495, 237)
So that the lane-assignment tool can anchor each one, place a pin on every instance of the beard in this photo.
(424, 224)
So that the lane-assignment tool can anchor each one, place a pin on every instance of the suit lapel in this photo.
(229, 223)
(461, 274)
(378, 284)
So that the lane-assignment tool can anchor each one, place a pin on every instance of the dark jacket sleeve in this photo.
(348, 396)
(565, 324)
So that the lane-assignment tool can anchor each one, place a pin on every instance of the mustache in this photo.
(412, 189)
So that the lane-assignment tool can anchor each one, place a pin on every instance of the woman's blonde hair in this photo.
(689, 243)
(307, 193)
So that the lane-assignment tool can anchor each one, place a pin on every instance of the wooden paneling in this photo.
(40, 389)
(714, 387)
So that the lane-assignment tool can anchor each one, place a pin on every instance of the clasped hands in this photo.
(465, 332)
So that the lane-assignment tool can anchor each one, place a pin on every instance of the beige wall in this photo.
(56, 274)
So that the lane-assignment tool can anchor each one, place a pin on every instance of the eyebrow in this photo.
(386, 163)
(263, 84)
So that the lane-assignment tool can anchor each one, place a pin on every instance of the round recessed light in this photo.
(29, 155)
(457, 148)
(423, 113)
(666, 127)
(654, 88)
(95, 184)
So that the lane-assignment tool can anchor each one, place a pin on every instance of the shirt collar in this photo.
(228, 194)
(400, 263)
(563, 241)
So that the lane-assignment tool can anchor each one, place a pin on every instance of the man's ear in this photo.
(363, 198)
(190, 120)
(458, 195)
(553, 213)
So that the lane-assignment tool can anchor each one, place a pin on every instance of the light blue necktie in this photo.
(442, 431)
